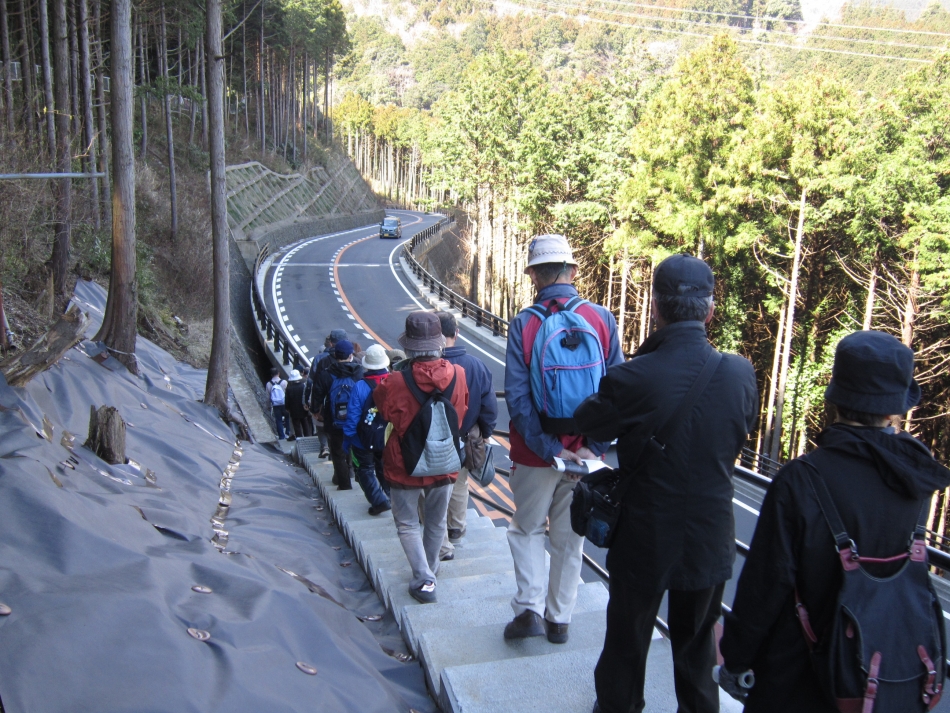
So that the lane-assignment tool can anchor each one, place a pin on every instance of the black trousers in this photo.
(303, 426)
(342, 466)
(631, 615)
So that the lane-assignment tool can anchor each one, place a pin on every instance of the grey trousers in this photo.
(421, 543)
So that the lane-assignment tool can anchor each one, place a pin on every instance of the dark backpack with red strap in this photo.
(885, 650)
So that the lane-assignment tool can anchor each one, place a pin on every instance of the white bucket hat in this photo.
(375, 358)
(295, 375)
(549, 248)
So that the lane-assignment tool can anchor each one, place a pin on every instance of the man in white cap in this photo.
(544, 382)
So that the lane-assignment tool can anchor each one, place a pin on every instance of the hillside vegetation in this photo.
(824, 171)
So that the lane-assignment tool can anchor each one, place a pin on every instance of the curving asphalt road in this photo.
(353, 280)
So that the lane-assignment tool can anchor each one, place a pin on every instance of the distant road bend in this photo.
(353, 280)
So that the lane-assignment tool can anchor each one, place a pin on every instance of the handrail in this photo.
(482, 317)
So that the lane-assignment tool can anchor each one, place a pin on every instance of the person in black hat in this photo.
(676, 531)
(878, 478)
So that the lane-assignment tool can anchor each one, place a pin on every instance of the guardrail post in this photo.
(286, 352)
(270, 328)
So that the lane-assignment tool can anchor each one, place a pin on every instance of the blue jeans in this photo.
(280, 419)
(366, 477)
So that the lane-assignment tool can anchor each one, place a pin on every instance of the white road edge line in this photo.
(283, 260)
(421, 306)
(746, 507)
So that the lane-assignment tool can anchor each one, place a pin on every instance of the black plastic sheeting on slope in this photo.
(98, 562)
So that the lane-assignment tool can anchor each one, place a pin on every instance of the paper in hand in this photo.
(586, 467)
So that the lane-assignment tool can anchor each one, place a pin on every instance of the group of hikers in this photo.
(815, 626)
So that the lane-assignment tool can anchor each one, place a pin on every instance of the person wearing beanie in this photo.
(879, 480)
(675, 533)
(331, 392)
(368, 463)
(398, 402)
(319, 364)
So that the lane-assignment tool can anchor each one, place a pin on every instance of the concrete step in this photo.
(558, 682)
(448, 590)
(447, 648)
(469, 560)
(486, 611)
(483, 543)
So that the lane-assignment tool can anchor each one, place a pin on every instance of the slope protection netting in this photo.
(258, 197)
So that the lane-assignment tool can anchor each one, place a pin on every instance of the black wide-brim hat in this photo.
(873, 373)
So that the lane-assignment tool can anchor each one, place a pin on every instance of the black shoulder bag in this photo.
(595, 508)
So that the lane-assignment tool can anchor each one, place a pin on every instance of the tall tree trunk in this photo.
(118, 323)
(101, 113)
(27, 64)
(261, 103)
(204, 96)
(73, 33)
(869, 304)
(143, 99)
(306, 88)
(216, 389)
(50, 110)
(624, 269)
(247, 115)
(169, 129)
(193, 80)
(63, 190)
(85, 73)
(776, 444)
(7, 67)
(773, 381)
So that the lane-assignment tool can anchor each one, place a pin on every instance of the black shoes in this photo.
(424, 594)
(455, 535)
(324, 452)
(377, 509)
(447, 557)
(557, 633)
(525, 625)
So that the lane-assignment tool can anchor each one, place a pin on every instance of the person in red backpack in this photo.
(879, 481)
(545, 600)
(397, 403)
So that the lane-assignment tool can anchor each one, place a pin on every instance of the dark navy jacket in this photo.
(482, 402)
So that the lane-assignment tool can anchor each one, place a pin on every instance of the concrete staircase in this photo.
(469, 667)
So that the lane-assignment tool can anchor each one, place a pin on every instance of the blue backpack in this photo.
(340, 399)
(567, 364)
(371, 429)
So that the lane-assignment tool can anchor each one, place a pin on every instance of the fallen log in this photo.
(48, 349)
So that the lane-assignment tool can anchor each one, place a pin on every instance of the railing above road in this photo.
(284, 349)
(482, 317)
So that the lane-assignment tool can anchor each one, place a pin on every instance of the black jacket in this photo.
(482, 402)
(324, 380)
(298, 398)
(879, 481)
(676, 529)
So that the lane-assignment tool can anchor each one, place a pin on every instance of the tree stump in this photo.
(106, 434)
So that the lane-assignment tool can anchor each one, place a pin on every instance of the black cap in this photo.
(683, 275)
(873, 373)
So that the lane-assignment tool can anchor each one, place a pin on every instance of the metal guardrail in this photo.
(482, 317)
(285, 349)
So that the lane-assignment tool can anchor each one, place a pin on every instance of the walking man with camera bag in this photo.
(675, 532)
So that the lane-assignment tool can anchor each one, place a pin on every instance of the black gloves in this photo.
(736, 685)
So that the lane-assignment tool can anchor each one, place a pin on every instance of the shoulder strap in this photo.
(828, 510)
(573, 303)
(539, 311)
(370, 383)
(420, 395)
(661, 437)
